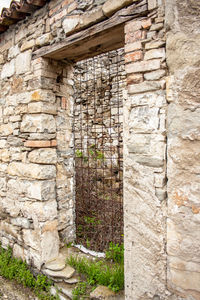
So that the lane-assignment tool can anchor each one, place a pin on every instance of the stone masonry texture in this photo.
(161, 134)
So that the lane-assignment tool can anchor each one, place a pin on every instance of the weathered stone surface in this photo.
(31, 170)
(154, 44)
(50, 242)
(155, 75)
(57, 264)
(8, 69)
(43, 156)
(27, 45)
(38, 123)
(21, 222)
(102, 292)
(41, 107)
(70, 24)
(6, 129)
(111, 6)
(144, 87)
(143, 66)
(23, 62)
(45, 39)
(66, 273)
(155, 53)
(66, 289)
(92, 17)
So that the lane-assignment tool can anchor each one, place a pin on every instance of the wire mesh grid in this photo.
(98, 136)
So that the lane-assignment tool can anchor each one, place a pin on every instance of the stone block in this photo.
(40, 211)
(1, 59)
(155, 75)
(31, 238)
(132, 57)
(155, 53)
(92, 17)
(142, 87)
(133, 46)
(44, 39)
(38, 123)
(3, 143)
(43, 156)
(23, 62)
(18, 251)
(43, 95)
(27, 45)
(155, 44)
(143, 66)
(42, 107)
(4, 155)
(8, 69)
(50, 242)
(144, 119)
(6, 129)
(70, 24)
(13, 52)
(152, 4)
(34, 171)
(21, 222)
(111, 6)
(134, 78)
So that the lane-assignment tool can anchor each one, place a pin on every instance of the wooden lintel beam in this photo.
(60, 50)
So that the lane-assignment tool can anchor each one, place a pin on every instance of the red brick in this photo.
(135, 56)
(146, 23)
(134, 78)
(37, 144)
(53, 143)
(64, 103)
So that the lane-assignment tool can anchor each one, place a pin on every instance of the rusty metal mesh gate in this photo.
(98, 130)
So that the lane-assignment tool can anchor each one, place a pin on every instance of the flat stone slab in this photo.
(53, 292)
(66, 289)
(102, 292)
(55, 265)
(66, 273)
(72, 280)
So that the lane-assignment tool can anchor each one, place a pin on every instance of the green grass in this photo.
(115, 253)
(15, 269)
(100, 272)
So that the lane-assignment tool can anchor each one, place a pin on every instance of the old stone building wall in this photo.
(183, 127)
(161, 140)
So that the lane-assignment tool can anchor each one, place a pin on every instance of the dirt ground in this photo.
(12, 291)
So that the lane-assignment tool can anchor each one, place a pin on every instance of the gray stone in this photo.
(144, 87)
(43, 156)
(155, 53)
(8, 69)
(70, 24)
(143, 66)
(23, 62)
(111, 6)
(66, 289)
(42, 107)
(66, 273)
(31, 170)
(38, 123)
(155, 75)
(102, 292)
(57, 264)
(154, 44)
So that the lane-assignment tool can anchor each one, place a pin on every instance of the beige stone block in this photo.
(41, 211)
(43, 156)
(4, 155)
(111, 6)
(142, 87)
(38, 123)
(31, 238)
(6, 129)
(23, 62)
(8, 69)
(3, 143)
(18, 251)
(152, 4)
(143, 66)
(44, 39)
(185, 279)
(41, 107)
(155, 53)
(70, 24)
(49, 243)
(13, 52)
(41, 190)
(31, 170)
(1, 59)
(92, 17)
(43, 95)
(27, 45)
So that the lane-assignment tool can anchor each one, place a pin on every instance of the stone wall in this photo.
(183, 125)
(36, 142)
(145, 158)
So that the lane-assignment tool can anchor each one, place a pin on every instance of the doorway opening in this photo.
(98, 137)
